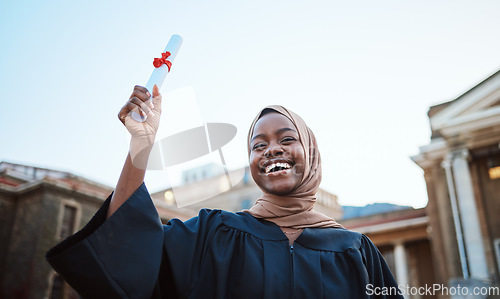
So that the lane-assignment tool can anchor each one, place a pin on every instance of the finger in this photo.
(126, 110)
(157, 103)
(131, 106)
(143, 106)
(156, 91)
(143, 97)
(156, 98)
(142, 89)
(140, 95)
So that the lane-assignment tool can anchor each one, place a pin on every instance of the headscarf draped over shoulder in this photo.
(295, 209)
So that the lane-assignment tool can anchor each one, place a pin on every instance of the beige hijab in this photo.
(294, 210)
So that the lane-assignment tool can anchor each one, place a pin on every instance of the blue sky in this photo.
(361, 73)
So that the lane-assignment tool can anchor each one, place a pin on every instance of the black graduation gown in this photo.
(217, 254)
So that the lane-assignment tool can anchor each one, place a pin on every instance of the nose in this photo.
(273, 150)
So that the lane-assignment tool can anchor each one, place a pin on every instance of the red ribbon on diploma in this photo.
(157, 62)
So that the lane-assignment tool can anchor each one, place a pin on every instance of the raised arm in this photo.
(141, 142)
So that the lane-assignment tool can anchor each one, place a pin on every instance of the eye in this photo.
(288, 140)
(259, 146)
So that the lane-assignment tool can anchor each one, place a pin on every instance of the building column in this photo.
(401, 264)
(456, 214)
(473, 238)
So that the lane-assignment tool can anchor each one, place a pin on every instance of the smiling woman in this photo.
(279, 248)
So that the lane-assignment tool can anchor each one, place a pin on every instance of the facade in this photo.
(38, 208)
(402, 236)
(462, 172)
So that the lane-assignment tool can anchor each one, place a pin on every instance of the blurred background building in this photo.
(462, 171)
(402, 237)
(39, 208)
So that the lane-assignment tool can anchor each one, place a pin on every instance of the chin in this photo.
(279, 190)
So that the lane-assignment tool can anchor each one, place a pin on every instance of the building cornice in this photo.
(33, 186)
(431, 154)
(472, 122)
(392, 226)
(482, 95)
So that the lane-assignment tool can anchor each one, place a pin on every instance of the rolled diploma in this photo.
(159, 74)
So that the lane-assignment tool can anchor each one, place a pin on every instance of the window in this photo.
(494, 172)
(68, 223)
(69, 218)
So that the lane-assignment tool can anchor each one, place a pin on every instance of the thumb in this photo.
(156, 98)
(156, 91)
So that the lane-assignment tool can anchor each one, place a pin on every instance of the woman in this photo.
(280, 248)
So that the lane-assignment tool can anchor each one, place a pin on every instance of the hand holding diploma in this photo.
(142, 133)
(139, 102)
(141, 114)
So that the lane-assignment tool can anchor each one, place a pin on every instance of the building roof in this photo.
(16, 177)
(436, 108)
(386, 220)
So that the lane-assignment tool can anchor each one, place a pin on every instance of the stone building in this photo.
(462, 171)
(402, 236)
(38, 208)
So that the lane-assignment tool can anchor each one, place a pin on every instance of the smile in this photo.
(280, 167)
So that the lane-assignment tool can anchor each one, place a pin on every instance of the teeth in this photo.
(282, 165)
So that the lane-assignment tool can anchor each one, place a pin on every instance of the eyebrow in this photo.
(277, 132)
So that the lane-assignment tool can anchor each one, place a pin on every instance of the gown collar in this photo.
(324, 239)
